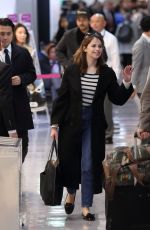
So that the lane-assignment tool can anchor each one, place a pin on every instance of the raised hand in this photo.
(127, 72)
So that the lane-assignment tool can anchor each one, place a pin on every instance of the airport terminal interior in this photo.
(41, 18)
(37, 216)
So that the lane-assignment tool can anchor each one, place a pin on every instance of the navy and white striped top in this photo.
(88, 86)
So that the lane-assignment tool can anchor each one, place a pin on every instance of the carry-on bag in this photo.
(127, 186)
(51, 189)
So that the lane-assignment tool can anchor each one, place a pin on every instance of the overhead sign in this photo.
(25, 18)
(13, 18)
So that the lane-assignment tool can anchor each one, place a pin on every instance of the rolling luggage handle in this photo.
(134, 168)
(135, 145)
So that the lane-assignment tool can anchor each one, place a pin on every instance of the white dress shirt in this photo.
(112, 49)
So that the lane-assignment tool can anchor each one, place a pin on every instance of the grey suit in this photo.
(140, 63)
(144, 122)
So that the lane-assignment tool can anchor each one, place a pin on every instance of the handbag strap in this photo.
(53, 147)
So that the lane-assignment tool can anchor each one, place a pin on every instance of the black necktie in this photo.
(7, 58)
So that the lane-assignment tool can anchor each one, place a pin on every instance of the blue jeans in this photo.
(86, 161)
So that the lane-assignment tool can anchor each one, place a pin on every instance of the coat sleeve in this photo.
(144, 121)
(60, 105)
(29, 76)
(118, 94)
(9, 117)
(137, 60)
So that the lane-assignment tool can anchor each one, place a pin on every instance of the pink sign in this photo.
(13, 18)
(25, 18)
(46, 76)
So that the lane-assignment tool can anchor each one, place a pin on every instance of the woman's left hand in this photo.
(127, 72)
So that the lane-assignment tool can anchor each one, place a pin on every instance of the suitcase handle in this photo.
(135, 145)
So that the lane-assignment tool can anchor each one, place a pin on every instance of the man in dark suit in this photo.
(43, 57)
(45, 65)
(22, 74)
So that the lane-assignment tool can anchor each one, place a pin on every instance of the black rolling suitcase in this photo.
(127, 186)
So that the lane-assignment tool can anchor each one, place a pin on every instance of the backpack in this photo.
(125, 32)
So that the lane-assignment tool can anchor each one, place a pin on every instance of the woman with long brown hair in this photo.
(78, 112)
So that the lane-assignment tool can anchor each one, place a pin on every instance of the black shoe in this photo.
(69, 207)
(108, 140)
(88, 217)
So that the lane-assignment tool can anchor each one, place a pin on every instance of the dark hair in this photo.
(62, 17)
(145, 23)
(51, 46)
(27, 33)
(7, 22)
(79, 57)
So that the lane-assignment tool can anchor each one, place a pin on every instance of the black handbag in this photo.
(51, 189)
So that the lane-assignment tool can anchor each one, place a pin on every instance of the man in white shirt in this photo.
(98, 23)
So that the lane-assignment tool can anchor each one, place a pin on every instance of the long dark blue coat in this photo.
(67, 113)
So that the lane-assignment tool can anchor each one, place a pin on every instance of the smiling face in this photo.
(94, 49)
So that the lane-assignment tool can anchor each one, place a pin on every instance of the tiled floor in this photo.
(34, 214)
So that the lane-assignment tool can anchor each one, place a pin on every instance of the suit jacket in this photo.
(5, 84)
(67, 46)
(140, 63)
(7, 119)
(144, 122)
(44, 63)
(22, 65)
